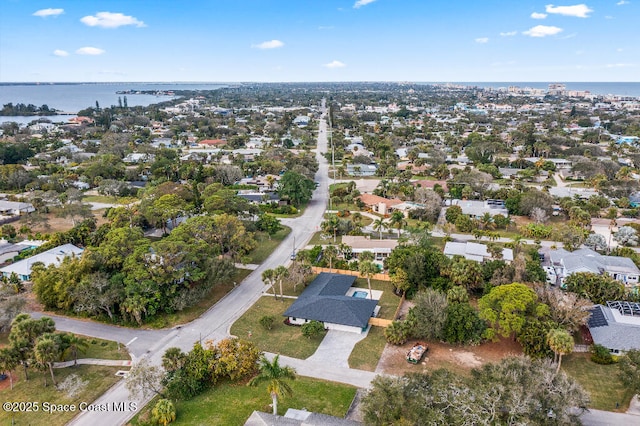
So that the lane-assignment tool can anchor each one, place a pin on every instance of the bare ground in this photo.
(459, 359)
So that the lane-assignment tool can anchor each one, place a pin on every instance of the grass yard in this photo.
(266, 246)
(83, 383)
(282, 339)
(601, 381)
(367, 352)
(101, 349)
(191, 313)
(389, 301)
(232, 404)
(318, 240)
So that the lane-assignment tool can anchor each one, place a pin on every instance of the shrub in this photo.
(312, 328)
(397, 333)
(267, 321)
(601, 355)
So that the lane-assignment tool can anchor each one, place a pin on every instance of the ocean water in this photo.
(71, 98)
(596, 88)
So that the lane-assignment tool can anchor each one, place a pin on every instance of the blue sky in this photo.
(319, 40)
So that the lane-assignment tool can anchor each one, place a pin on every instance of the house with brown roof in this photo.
(379, 204)
(211, 143)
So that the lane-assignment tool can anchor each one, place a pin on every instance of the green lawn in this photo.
(601, 381)
(266, 246)
(83, 383)
(102, 349)
(191, 313)
(317, 239)
(367, 352)
(389, 301)
(232, 404)
(283, 339)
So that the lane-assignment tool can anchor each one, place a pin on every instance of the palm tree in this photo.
(561, 343)
(331, 224)
(164, 412)
(379, 225)
(276, 376)
(8, 362)
(74, 344)
(269, 278)
(397, 219)
(173, 359)
(46, 353)
(367, 269)
(330, 253)
(280, 274)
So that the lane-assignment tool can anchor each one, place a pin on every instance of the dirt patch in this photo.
(460, 359)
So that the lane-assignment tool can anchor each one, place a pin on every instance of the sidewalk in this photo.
(93, 361)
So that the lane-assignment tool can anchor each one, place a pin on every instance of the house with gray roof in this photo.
(330, 299)
(586, 260)
(616, 326)
(295, 417)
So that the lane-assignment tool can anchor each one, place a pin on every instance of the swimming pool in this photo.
(360, 294)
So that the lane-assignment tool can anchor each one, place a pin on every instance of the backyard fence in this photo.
(379, 322)
(380, 277)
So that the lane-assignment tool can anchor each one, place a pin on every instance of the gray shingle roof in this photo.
(608, 332)
(324, 300)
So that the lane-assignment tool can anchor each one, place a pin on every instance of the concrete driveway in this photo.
(336, 347)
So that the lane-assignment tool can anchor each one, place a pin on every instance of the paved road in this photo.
(137, 341)
(216, 322)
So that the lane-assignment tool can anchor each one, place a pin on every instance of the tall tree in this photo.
(398, 221)
(367, 269)
(561, 343)
(295, 187)
(9, 360)
(281, 273)
(276, 377)
(507, 307)
(47, 351)
(379, 225)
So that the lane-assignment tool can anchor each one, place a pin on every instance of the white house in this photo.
(474, 251)
(587, 260)
(15, 208)
(53, 256)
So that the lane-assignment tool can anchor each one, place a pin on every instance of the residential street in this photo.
(216, 322)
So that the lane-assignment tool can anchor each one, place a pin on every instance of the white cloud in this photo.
(622, 2)
(482, 40)
(90, 51)
(358, 4)
(619, 65)
(111, 20)
(59, 52)
(542, 31)
(536, 15)
(48, 12)
(508, 34)
(619, 49)
(271, 44)
(335, 64)
(578, 10)
(325, 27)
